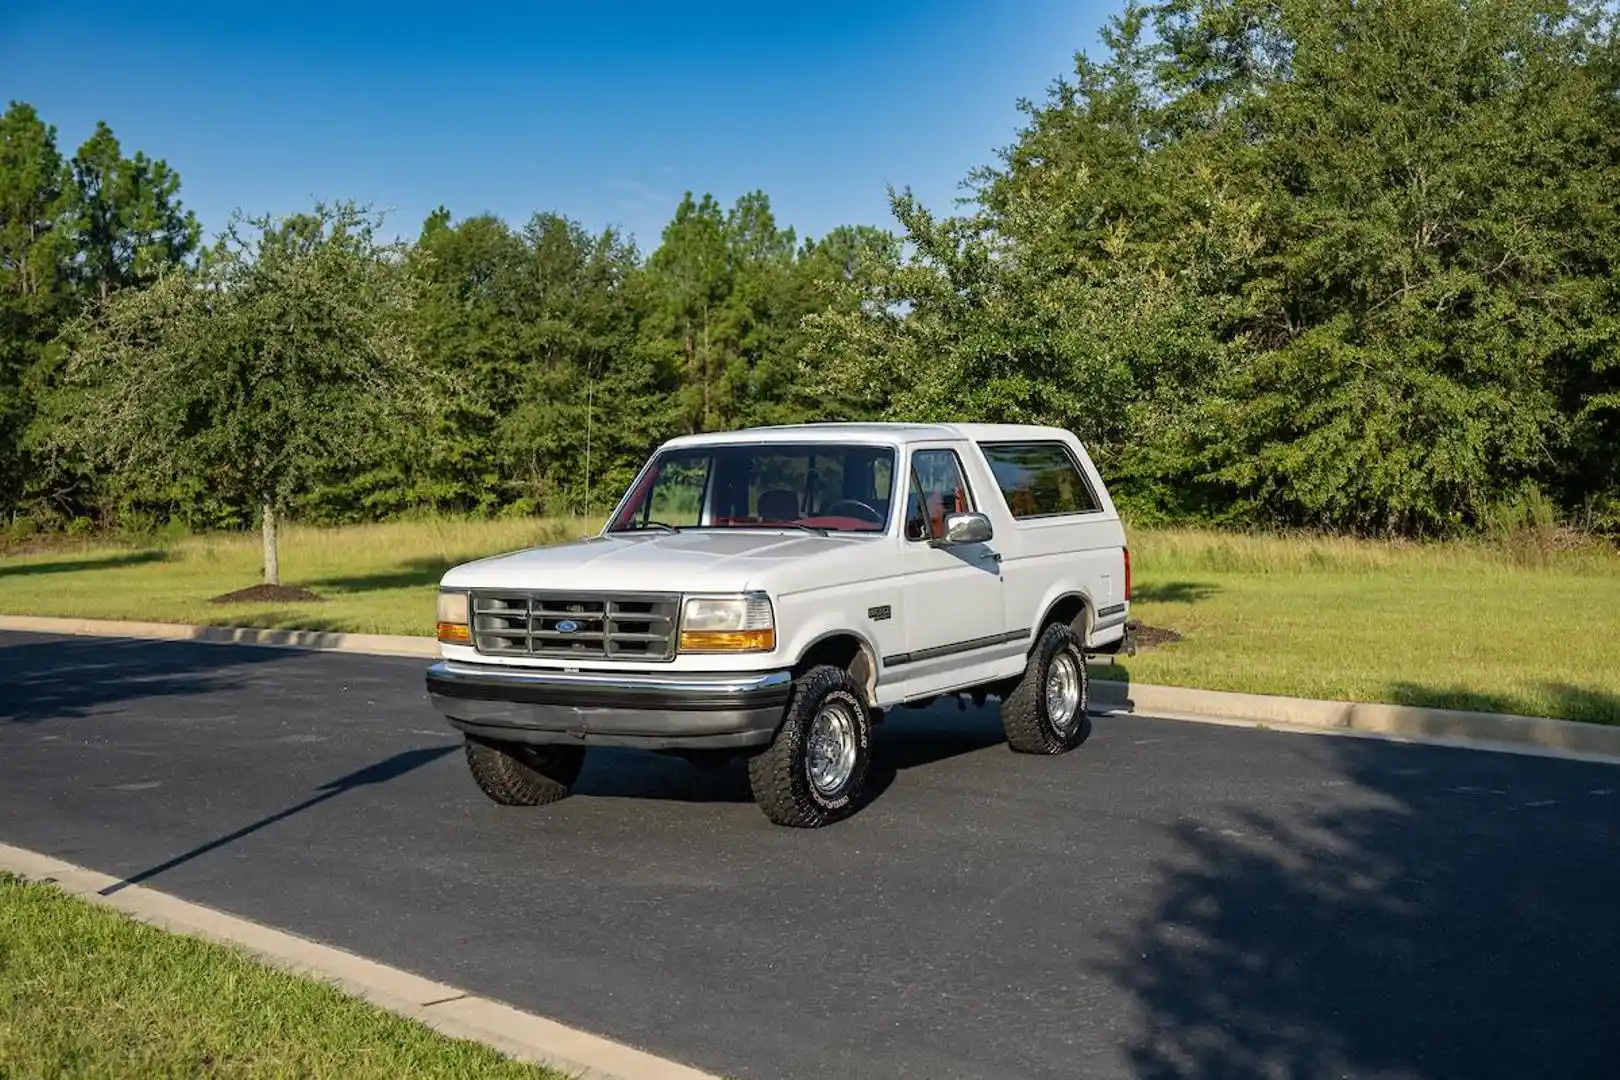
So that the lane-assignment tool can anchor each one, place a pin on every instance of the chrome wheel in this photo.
(830, 750)
(1063, 691)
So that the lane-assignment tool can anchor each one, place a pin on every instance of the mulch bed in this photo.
(1149, 636)
(267, 594)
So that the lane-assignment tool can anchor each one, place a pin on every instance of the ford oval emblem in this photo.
(567, 626)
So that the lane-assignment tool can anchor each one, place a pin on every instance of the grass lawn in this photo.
(1456, 625)
(374, 578)
(1498, 627)
(88, 992)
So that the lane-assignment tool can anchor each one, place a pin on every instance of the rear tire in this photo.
(1046, 712)
(814, 772)
(518, 774)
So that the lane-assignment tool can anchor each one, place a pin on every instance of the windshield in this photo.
(827, 487)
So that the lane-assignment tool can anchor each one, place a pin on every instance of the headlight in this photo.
(728, 624)
(454, 625)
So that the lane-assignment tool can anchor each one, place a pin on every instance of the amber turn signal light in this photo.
(455, 633)
(728, 640)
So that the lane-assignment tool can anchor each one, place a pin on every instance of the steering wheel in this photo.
(865, 512)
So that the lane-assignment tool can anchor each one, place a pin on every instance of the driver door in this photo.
(952, 595)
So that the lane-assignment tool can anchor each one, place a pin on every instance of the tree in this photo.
(692, 281)
(586, 387)
(34, 254)
(285, 350)
(127, 215)
(68, 231)
(467, 323)
(757, 319)
(1433, 184)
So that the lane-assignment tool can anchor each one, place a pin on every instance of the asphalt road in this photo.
(1172, 900)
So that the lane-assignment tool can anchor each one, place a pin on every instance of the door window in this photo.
(938, 488)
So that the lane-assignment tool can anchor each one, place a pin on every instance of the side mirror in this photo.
(966, 529)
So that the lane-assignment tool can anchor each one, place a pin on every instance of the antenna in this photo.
(590, 385)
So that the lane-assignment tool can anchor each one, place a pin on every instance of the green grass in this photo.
(88, 992)
(374, 578)
(1523, 624)
(1500, 627)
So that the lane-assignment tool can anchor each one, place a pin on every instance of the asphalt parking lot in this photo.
(1172, 900)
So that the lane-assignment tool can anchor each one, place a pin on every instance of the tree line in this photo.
(1320, 264)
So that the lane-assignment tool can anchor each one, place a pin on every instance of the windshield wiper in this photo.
(819, 530)
(645, 525)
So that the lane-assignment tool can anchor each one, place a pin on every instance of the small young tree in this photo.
(277, 356)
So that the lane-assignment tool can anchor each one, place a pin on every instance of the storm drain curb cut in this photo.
(446, 1009)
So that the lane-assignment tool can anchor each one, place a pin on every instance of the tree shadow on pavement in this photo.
(380, 772)
(64, 678)
(1457, 919)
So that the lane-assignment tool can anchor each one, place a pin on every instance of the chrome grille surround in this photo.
(562, 625)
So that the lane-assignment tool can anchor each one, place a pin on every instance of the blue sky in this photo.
(606, 112)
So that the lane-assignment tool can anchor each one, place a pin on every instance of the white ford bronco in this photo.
(772, 592)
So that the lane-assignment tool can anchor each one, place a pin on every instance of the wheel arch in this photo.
(846, 649)
(1073, 608)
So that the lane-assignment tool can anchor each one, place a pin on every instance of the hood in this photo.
(710, 560)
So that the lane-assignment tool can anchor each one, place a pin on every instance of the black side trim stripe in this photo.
(937, 651)
(1113, 609)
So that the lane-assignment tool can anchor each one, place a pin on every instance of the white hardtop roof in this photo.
(887, 433)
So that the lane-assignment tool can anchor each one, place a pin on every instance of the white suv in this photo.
(772, 592)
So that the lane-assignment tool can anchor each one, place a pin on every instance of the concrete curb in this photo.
(445, 1009)
(1450, 726)
(326, 640)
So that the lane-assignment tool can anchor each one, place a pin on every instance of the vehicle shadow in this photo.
(380, 772)
(65, 678)
(68, 566)
(1108, 670)
(906, 739)
(1452, 918)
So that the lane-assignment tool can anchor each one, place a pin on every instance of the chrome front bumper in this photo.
(664, 711)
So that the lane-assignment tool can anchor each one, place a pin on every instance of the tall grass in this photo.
(1183, 551)
(441, 539)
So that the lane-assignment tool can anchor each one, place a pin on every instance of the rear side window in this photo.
(1039, 479)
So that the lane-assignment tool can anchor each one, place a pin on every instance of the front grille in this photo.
(575, 626)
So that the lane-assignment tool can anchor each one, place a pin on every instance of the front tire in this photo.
(814, 772)
(517, 774)
(1046, 712)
